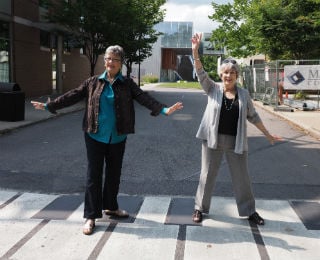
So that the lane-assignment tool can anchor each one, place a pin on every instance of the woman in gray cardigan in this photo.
(223, 130)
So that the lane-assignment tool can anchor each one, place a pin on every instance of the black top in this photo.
(229, 116)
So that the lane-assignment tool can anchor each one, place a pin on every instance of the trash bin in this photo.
(12, 102)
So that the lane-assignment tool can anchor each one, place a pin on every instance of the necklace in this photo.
(111, 80)
(225, 103)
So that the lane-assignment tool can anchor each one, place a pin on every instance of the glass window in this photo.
(44, 3)
(5, 6)
(4, 52)
(45, 39)
(175, 34)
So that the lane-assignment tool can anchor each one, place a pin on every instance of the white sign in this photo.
(302, 77)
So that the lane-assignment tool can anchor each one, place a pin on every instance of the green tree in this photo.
(96, 24)
(281, 29)
(233, 32)
(210, 65)
(136, 28)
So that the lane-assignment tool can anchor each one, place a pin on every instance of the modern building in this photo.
(34, 54)
(171, 58)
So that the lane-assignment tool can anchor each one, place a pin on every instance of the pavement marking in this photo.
(180, 212)
(153, 211)
(259, 241)
(26, 205)
(132, 241)
(103, 240)
(284, 235)
(13, 231)
(22, 242)
(181, 243)
(40, 226)
(131, 203)
(223, 235)
(309, 213)
(61, 208)
(6, 201)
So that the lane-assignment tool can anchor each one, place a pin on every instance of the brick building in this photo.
(35, 54)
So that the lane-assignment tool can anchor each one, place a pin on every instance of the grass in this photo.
(180, 84)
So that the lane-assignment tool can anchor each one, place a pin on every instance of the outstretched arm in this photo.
(173, 108)
(39, 105)
(272, 138)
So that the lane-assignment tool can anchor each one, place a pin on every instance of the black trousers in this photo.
(97, 196)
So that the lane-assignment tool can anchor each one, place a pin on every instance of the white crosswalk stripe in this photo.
(153, 232)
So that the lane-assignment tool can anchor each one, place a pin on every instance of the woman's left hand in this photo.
(176, 106)
(274, 138)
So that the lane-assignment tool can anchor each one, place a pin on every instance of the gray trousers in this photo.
(238, 166)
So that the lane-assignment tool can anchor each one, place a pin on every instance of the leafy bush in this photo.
(300, 95)
(150, 79)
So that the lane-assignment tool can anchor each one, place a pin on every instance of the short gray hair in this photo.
(117, 50)
(231, 64)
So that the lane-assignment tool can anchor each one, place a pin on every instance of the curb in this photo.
(307, 129)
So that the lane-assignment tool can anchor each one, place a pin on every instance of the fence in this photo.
(274, 84)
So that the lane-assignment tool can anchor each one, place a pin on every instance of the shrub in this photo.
(300, 95)
(150, 79)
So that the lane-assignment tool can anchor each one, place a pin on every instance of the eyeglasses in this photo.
(232, 72)
(111, 59)
(229, 61)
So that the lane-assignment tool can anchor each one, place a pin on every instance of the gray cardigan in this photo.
(208, 129)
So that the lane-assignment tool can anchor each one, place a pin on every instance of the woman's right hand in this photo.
(196, 40)
(39, 105)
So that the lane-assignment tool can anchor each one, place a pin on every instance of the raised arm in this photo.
(195, 41)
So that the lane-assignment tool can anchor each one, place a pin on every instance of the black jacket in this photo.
(125, 92)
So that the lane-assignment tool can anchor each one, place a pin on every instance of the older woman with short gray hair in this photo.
(223, 131)
(108, 119)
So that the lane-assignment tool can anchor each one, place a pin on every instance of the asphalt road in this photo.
(162, 157)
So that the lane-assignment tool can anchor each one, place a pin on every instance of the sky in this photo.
(195, 11)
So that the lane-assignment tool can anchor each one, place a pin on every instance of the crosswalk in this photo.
(45, 226)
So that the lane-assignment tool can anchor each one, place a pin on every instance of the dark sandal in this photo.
(197, 216)
(119, 213)
(88, 227)
(255, 218)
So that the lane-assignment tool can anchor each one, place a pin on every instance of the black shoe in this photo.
(255, 218)
(197, 216)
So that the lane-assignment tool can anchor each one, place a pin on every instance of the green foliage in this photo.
(150, 79)
(300, 95)
(97, 24)
(281, 29)
(210, 65)
(181, 84)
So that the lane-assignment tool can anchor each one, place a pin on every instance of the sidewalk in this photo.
(309, 121)
(33, 116)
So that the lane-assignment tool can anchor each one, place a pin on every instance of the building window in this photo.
(66, 45)
(4, 52)
(5, 6)
(69, 43)
(175, 34)
(44, 3)
(48, 40)
(45, 39)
